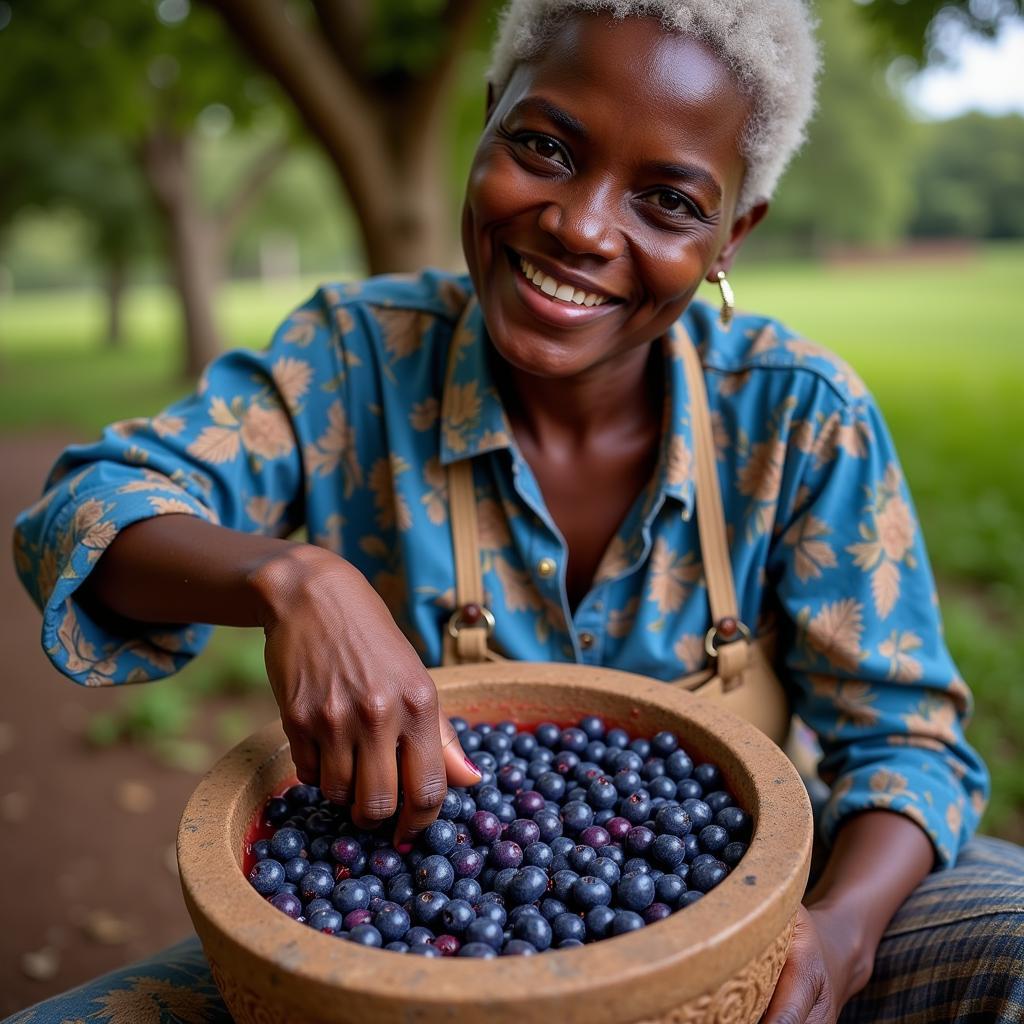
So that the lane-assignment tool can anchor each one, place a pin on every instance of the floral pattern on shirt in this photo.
(346, 425)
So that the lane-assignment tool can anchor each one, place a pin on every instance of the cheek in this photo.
(674, 268)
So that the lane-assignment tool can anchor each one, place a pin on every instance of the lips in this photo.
(554, 288)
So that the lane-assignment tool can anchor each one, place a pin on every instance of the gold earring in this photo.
(728, 300)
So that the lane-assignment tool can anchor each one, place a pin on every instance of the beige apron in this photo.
(739, 670)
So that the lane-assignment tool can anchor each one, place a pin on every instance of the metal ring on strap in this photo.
(727, 631)
(468, 618)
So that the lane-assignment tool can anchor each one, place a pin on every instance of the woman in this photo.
(624, 160)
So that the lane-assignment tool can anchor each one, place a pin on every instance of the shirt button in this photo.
(586, 640)
(546, 568)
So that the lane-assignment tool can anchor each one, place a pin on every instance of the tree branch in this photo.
(327, 97)
(250, 186)
(344, 26)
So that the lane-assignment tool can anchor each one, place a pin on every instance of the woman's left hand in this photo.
(814, 979)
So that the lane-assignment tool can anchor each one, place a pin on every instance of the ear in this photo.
(741, 227)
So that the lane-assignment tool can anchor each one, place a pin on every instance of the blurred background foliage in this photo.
(174, 176)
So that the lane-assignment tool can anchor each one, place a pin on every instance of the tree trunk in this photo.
(194, 244)
(117, 275)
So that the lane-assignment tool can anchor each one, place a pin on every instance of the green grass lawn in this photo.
(939, 343)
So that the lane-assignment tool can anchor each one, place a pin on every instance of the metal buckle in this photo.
(461, 620)
(726, 631)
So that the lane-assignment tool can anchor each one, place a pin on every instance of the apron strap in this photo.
(471, 622)
(728, 639)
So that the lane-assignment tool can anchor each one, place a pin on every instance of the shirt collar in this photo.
(473, 420)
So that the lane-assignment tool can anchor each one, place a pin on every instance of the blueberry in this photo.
(488, 798)
(373, 884)
(528, 884)
(688, 789)
(672, 820)
(295, 868)
(392, 922)
(678, 765)
(434, 872)
(506, 854)
(350, 894)
(485, 826)
(534, 929)
(506, 813)
(627, 782)
(596, 751)
(585, 773)
(601, 793)
(287, 843)
(595, 836)
(401, 889)
(668, 850)
(547, 735)
(635, 891)
(576, 816)
(385, 863)
(318, 904)
(328, 921)
(550, 908)
(467, 863)
(365, 935)
(320, 848)
(275, 811)
(518, 947)
(718, 800)
(260, 849)
(346, 851)
(456, 916)
(397, 947)
(736, 821)
(562, 883)
(668, 889)
(470, 741)
(538, 854)
(588, 892)
(468, 889)
(641, 747)
(496, 743)
(480, 950)
(523, 831)
(502, 880)
(713, 838)
(699, 812)
(598, 922)
(692, 845)
(638, 840)
(459, 724)
(468, 808)
(314, 884)
(635, 808)
(568, 926)
(425, 949)
(640, 864)
(733, 852)
(440, 836)
(689, 897)
(606, 869)
(662, 788)
(491, 911)
(451, 806)
(656, 912)
(486, 931)
(654, 768)
(417, 935)
(708, 776)
(302, 795)
(524, 744)
(287, 902)
(705, 876)
(573, 739)
(626, 921)
(527, 803)
(617, 738)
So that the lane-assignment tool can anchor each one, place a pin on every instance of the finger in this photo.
(376, 786)
(423, 781)
(799, 984)
(337, 770)
(459, 769)
(305, 756)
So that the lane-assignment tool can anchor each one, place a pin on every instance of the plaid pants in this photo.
(953, 954)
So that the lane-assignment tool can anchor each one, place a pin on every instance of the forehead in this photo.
(633, 81)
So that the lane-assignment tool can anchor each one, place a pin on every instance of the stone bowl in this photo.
(715, 961)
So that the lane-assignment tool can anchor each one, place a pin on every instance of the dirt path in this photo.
(86, 837)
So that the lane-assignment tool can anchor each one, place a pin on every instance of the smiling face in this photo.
(602, 192)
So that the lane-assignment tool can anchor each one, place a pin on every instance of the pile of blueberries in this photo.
(572, 835)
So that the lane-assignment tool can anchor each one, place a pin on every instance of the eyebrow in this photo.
(572, 126)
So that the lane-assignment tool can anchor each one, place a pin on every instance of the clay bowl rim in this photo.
(216, 890)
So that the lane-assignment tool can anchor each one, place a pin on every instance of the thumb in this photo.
(460, 769)
(798, 987)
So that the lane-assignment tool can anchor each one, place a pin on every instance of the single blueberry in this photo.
(547, 735)
(638, 840)
(328, 921)
(523, 831)
(550, 908)
(733, 853)
(588, 892)
(664, 743)
(527, 803)
(596, 752)
(491, 911)
(260, 850)
(288, 903)
(699, 812)
(662, 788)
(385, 863)
(350, 894)
(276, 810)
(641, 746)
(626, 921)
(635, 891)
(451, 806)
(668, 889)
(593, 726)
(417, 935)
(562, 883)
(366, 935)
(538, 854)
(713, 838)
(518, 947)
(576, 816)
(581, 859)
(440, 836)
(718, 800)
(606, 869)
(601, 793)
(467, 862)
(496, 743)
(656, 912)
(315, 883)
(688, 789)
(435, 873)
(635, 808)
(689, 897)
(598, 922)
(708, 776)
(524, 744)
(425, 948)
(314, 906)
(295, 868)
(401, 889)
(287, 843)
(533, 928)
(736, 821)
(704, 877)
(397, 947)
(668, 851)
(617, 738)
(456, 916)
(528, 884)
(392, 922)
(506, 854)
(486, 931)
(468, 889)
(568, 926)
(627, 782)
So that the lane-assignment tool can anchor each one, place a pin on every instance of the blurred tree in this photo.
(852, 181)
(144, 72)
(915, 29)
(375, 82)
(970, 178)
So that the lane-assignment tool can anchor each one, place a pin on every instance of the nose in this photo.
(584, 223)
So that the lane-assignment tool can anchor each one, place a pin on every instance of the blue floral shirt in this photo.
(346, 423)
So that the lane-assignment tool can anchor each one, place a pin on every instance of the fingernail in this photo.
(404, 848)
(472, 767)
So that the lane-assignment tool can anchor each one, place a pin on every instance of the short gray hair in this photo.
(768, 44)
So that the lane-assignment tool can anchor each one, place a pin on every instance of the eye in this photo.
(673, 202)
(546, 147)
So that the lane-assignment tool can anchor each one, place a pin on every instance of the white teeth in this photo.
(557, 289)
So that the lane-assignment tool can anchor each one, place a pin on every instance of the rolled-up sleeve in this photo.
(231, 454)
(866, 657)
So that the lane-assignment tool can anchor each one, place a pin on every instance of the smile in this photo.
(556, 289)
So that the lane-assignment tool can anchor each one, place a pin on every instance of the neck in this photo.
(566, 415)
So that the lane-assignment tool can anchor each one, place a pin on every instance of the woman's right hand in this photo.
(359, 709)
